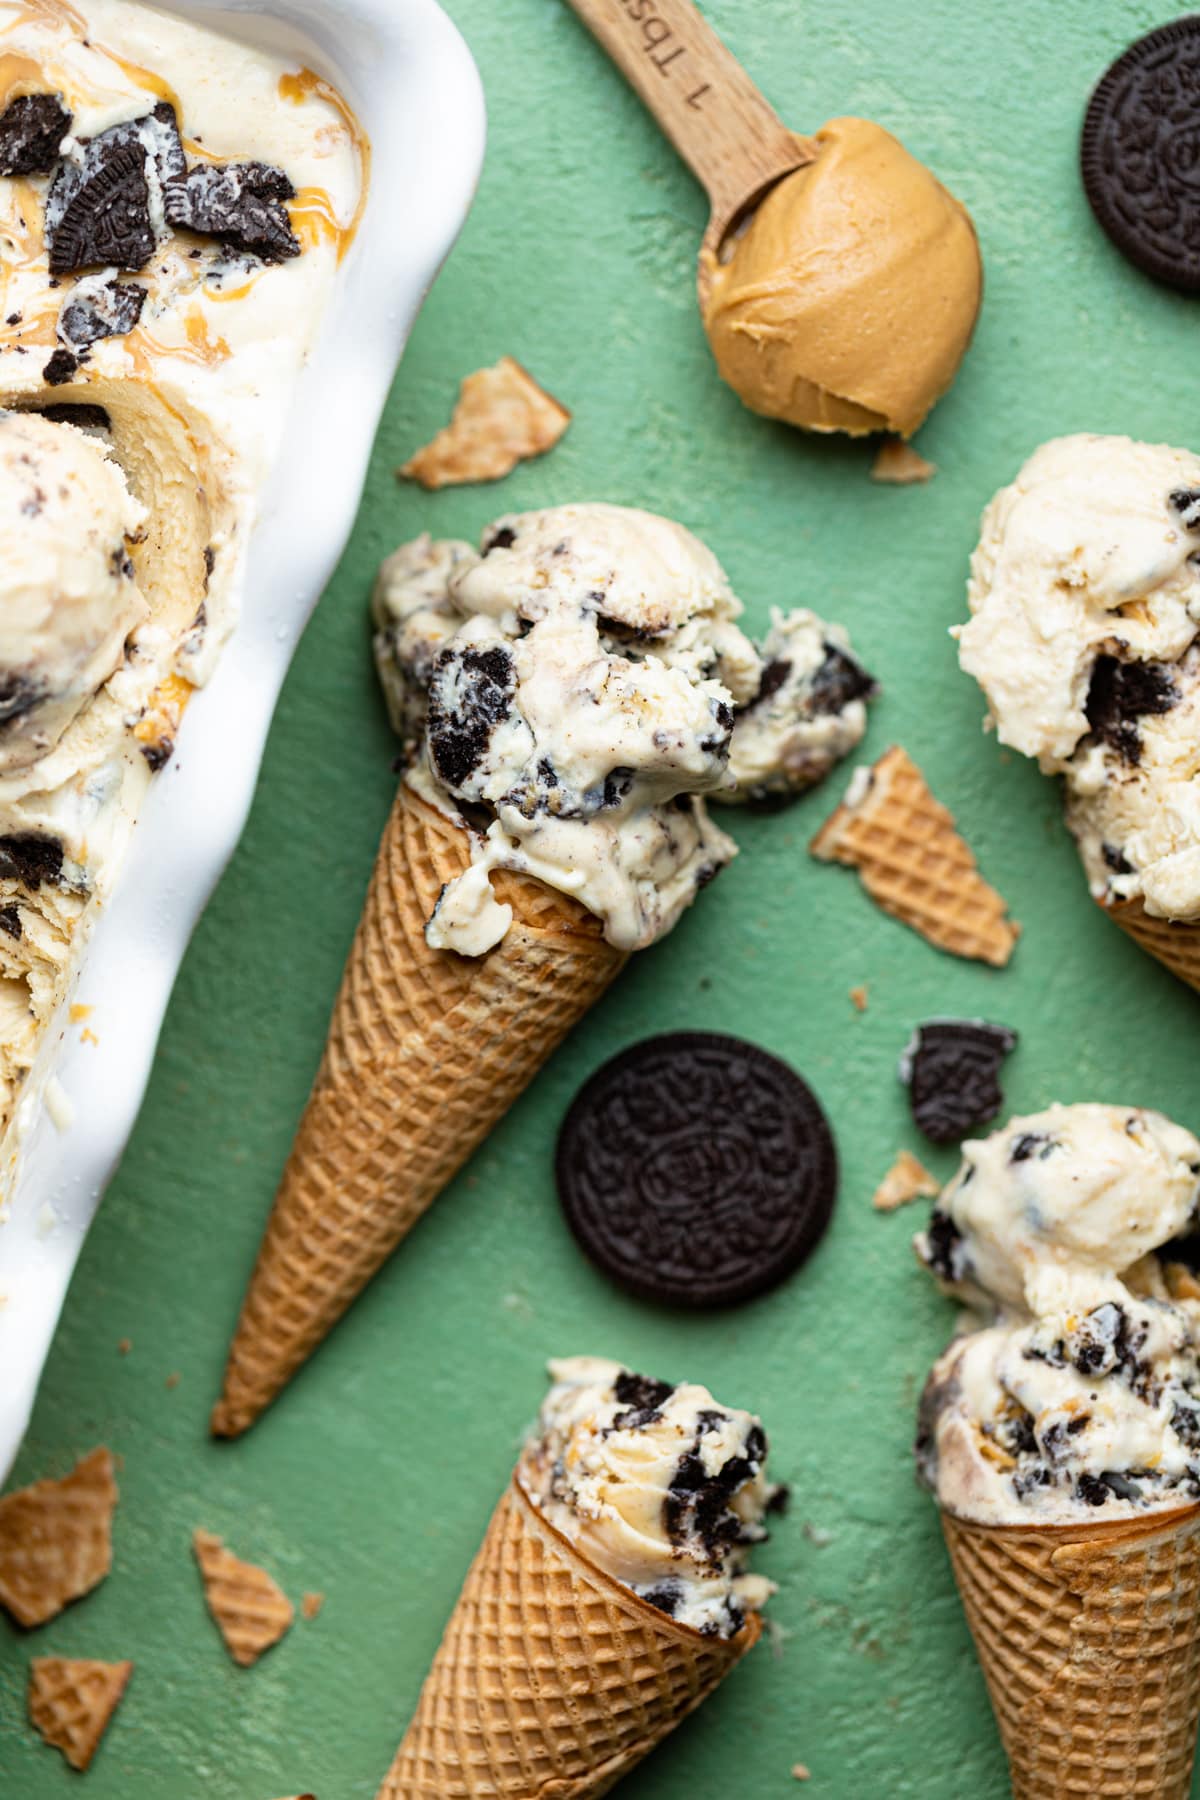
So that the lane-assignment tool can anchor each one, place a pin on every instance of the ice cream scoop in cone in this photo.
(1173, 943)
(551, 1677)
(1089, 1637)
(426, 1050)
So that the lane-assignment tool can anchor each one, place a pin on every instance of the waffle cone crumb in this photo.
(502, 418)
(56, 1540)
(913, 863)
(72, 1701)
(907, 1179)
(250, 1610)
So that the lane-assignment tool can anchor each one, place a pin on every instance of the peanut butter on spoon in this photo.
(839, 281)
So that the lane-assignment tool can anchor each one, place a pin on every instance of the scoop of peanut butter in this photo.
(849, 299)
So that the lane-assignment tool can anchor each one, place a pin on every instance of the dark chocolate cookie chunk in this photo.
(1121, 693)
(470, 694)
(31, 129)
(952, 1070)
(839, 680)
(99, 209)
(78, 413)
(110, 311)
(239, 203)
(31, 858)
(1140, 153)
(60, 367)
(696, 1169)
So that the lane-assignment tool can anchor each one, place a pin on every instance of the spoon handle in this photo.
(731, 139)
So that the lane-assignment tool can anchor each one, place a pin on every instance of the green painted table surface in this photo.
(374, 1477)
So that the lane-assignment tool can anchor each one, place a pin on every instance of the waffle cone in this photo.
(551, 1678)
(71, 1702)
(1089, 1637)
(1174, 943)
(426, 1050)
(914, 864)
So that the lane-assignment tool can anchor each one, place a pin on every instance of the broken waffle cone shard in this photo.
(71, 1702)
(915, 865)
(426, 1051)
(1174, 943)
(251, 1611)
(551, 1678)
(1089, 1637)
(56, 1540)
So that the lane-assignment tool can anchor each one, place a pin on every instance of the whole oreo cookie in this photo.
(1140, 153)
(696, 1169)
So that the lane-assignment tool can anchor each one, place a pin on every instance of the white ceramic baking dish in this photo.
(412, 82)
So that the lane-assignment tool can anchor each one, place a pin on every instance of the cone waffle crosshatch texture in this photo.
(551, 1679)
(1175, 944)
(914, 864)
(1089, 1639)
(426, 1050)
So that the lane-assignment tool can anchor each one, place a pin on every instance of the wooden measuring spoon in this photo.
(847, 302)
(733, 141)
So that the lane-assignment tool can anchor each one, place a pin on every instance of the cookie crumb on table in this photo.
(858, 998)
(899, 464)
(311, 1605)
(501, 418)
(907, 1179)
(801, 1772)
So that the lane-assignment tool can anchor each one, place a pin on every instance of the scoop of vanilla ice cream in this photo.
(1081, 1387)
(68, 598)
(1056, 1205)
(657, 1485)
(1088, 551)
(576, 688)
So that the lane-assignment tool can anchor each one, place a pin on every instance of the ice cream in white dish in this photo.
(173, 209)
(1074, 1389)
(574, 690)
(1085, 604)
(657, 1485)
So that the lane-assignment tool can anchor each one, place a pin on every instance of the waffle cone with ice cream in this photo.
(550, 1677)
(1089, 1640)
(556, 693)
(556, 1673)
(1060, 1435)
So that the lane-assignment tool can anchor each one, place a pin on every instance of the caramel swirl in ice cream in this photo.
(849, 299)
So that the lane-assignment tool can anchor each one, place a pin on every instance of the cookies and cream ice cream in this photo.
(1074, 1388)
(655, 1484)
(68, 597)
(1085, 615)
(174, 205)
(848, 300)
(573, 690)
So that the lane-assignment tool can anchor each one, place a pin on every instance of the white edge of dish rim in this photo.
(407, 72)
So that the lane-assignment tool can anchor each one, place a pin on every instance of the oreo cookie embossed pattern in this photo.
(1140, 153)
(696, 1169)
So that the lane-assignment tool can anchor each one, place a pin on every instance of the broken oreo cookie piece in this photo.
(469, 696)
(79, 413)
(31, 858)
(31, 129)
(839, 680)
(100, 208)
(242, 204)
(59, 368)
(98, 310)
(1121, 693)
(951, 1068)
